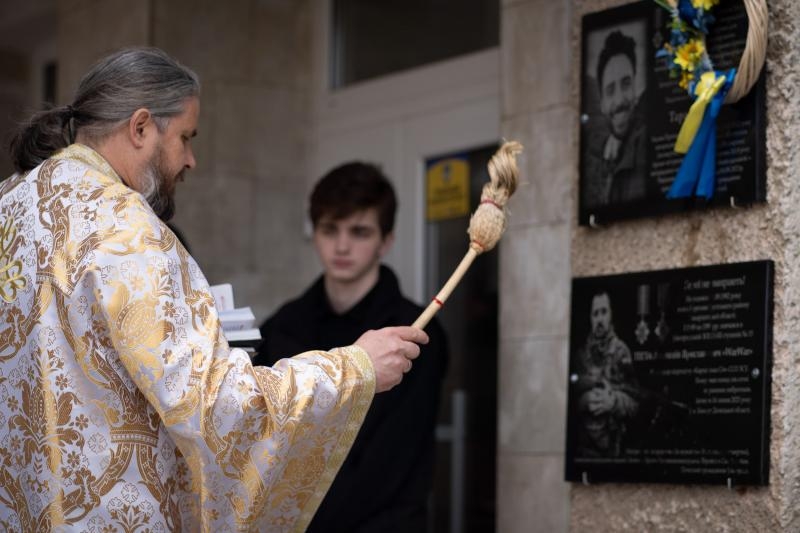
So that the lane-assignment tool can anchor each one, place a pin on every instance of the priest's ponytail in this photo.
(107, 96)
(44, 134)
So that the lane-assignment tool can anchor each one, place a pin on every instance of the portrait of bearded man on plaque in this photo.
(614, 156)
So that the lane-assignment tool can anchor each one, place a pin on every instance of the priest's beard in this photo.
(159, 188)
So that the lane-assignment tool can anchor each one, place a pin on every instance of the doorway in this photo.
(464, 480)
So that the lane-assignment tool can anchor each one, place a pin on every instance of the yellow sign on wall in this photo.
(447, 189)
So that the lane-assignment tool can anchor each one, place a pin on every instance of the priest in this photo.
(123, 406)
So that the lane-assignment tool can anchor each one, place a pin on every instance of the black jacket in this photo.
(384, 483)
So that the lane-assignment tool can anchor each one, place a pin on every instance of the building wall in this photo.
(14, 84)
(241, 210)
(537, 109)
(27, 38)
(89, 29)
(544, 247)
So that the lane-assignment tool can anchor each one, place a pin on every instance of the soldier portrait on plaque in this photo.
(606, 386)
(669, 375)
(615, 160)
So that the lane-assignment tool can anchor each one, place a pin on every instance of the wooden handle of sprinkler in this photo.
(438, 302)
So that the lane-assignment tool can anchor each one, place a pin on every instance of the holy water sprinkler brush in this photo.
(487, 223)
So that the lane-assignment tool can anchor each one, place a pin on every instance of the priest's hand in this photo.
(391, 351)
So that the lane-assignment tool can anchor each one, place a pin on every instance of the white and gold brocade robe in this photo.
(122, 407)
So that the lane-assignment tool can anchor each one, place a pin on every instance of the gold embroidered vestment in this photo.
(122, 406)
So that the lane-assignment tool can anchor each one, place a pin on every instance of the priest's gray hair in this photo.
(113, 89)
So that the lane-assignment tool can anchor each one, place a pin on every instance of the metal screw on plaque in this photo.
(573, 378)
(755, 373)
(584, 118)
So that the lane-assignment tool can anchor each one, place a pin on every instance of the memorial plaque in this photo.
(631, 112)
(669, 376)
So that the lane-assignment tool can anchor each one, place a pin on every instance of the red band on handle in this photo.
(438, 301)
(479, 245)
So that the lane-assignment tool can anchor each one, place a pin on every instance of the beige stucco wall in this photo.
(535, 267)
(14, 85)
(243, 207)
(241, 210)
(544, 247)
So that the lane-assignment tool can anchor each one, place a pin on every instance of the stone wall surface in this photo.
(767, 231)
(242, 210)
(14, 102)
(535, 267)
(89, 29)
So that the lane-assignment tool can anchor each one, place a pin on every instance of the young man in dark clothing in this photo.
(385, 481)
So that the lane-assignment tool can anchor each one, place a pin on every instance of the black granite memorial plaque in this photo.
(669, 376)
(629, 127)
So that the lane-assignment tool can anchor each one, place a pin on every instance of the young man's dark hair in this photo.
(353, 187)
(617, 43)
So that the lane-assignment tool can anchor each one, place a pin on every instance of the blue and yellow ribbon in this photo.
(698, 137)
